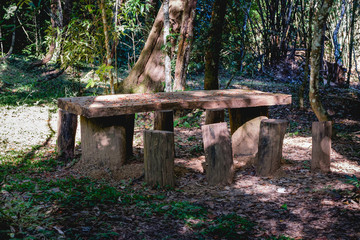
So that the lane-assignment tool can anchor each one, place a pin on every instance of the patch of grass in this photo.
(19, 85)
(229, 226)
(281, 237)
(34, 160)
(178, 210)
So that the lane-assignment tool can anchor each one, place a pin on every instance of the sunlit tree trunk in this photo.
(184, 45)
(147, 75)
(107, 44)
(319, 21)
(167, 61)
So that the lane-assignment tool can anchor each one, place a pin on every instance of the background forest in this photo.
(259, 37)
(65, 48)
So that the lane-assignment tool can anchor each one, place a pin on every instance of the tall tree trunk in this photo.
(107, 44)
(308, 42)
(212, 55)
(167, 60)
(116, 40)
(355, 63)
(147, 75)
(320, 19)
(337, 53)
(37, 43)
(351, 42)
(184, 45)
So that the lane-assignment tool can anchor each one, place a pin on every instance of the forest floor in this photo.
(44, 198)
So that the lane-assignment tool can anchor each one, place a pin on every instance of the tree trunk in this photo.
(320, 20)
(167, 60)
(337, 53)
(107, 44)
(355, 63)
(184, 45)
(351, 42)
(308, 42)
(212, 55)
(147, 75)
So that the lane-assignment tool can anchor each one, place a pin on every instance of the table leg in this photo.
(104, 141)
(67, 124)
(239, 116)
(164, 120)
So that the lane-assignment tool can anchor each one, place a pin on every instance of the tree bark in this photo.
(147, 75)
(351, 42)
(320, 20)
(337, 54)
(107, 45)
(167, 60)
(308, 42)
(184, 45)
(212, 55)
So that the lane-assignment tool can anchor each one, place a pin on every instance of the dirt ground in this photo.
(297, 203)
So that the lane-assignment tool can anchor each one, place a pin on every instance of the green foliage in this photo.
(353, 180)
(190, 120)
(229, 226)
(179, 210)
(281, 237)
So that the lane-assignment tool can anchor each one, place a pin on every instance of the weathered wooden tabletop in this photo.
(112, 105)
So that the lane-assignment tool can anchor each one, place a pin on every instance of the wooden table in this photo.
(107, 121)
